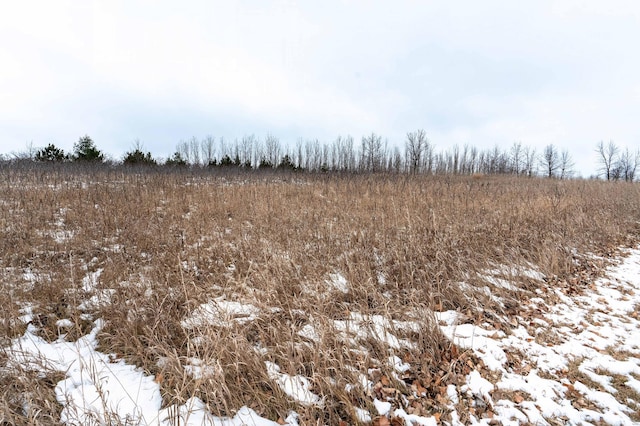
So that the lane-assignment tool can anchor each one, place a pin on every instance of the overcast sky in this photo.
(563, 72)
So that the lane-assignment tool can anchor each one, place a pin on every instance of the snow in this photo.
(361, 327)
(574, 376)
(587, 327)
(97, 387)
(297, 387)
(221, 312)
(362, 415)
(382, 407)
(483, 342)
(479, 386)
(194, 412)
(338, 282)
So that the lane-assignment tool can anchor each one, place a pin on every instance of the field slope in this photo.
(180, 297)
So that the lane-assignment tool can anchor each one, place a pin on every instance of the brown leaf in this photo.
(381, 421)
(418, 388)
(397, 421)
(518, 398)
(454, 351)
(385, 381)
(389, 391)
(442, 399)
(281, 421)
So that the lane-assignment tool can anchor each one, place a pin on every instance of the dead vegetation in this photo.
(144, 251)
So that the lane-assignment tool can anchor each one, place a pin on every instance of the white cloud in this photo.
(468, 72)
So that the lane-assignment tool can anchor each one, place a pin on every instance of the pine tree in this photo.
(138, 157)
(50, 153)
(85, 150)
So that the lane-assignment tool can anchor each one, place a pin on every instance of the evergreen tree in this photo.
(50, 153)
(286, 163)
(138, 157)
(226, 161)
(175, 160)
(85, 150)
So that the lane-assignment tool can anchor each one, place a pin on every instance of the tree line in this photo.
(372, 154)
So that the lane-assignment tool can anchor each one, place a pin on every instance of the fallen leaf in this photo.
(381, 421)
(419, 389)
(397, 421)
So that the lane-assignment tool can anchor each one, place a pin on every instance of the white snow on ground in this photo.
(338, 282)
(590, 329)
(221, 312)
(594, 338)
(297, 387)
(98, 387)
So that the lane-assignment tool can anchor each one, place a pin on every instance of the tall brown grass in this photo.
(168, 242)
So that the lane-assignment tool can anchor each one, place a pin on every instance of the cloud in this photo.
(468, 72)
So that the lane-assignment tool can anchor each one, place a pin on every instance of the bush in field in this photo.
(50, 153)
(286, 163)
(175, 160)
(265, 164)
(137, 157)
(85, 150)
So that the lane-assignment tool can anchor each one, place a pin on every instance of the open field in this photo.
(334, 297)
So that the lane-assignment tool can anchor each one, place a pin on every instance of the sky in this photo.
(485, 73)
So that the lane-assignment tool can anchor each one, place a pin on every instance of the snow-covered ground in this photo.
(574, 362)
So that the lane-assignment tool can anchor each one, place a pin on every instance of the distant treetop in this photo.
(85, 150)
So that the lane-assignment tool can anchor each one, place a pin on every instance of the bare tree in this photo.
(223, 148)
(246, 150)
(258, 152)
(28, 154)
(194, 149)
(208, 147)
(272, 149)
(607, 158)
(183, 149)
(348, 153)
(497, 160)
(550, 160)
(566, 165)
(372, 152)
(627, 164)
(455, 159)
(415, 147)
(529, 161)
(465, 160)
(516, 158)
(473, 160)
(395, 161)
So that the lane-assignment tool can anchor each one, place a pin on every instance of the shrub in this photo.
(50, 153)
(175, 160)
(136, 157)
(85, 150)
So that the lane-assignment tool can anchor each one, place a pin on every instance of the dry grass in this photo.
(165, 243)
